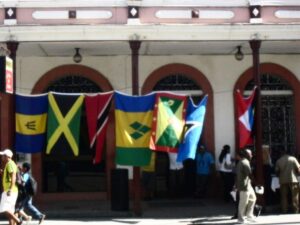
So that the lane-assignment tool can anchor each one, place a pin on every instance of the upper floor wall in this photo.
(73, 12)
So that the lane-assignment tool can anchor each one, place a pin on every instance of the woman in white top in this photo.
(226, 171)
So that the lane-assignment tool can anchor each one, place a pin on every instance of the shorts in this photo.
(8, 202)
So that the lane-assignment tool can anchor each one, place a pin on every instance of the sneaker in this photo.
(42, 218)
(21, 221)
(251, 219)
(241, 221)
(29, 218)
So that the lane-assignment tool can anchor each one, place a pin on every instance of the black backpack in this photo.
(31, 186)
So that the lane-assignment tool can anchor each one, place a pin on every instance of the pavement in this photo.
(155, 212)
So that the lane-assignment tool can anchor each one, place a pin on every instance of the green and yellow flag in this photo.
(133, 125)
(168, 122)
(63, 129)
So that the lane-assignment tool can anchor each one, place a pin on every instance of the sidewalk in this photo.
(191, 208)
(156, 212)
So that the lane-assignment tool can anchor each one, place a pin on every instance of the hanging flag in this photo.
(193, 129)
(31, 119)
(133, 125)
(151, 166)
(168, 122)
(246, 118)
(64, 116)
(97, 108)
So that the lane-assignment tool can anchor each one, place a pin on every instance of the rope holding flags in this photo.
(159, 121)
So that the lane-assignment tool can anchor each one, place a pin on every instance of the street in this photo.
(269, 219)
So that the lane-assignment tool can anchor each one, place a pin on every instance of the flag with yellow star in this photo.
(168, 122)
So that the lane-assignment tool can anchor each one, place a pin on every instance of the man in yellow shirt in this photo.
(10, 190)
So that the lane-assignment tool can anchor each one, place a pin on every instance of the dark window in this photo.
(278, 117)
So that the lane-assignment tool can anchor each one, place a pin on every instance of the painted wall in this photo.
(221, 71)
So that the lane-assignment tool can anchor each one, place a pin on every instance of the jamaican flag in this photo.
(64, 116)
(133, 125)
(168, 122)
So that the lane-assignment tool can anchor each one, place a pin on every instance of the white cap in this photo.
(7, 152)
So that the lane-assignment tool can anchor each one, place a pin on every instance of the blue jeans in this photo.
(36, 214)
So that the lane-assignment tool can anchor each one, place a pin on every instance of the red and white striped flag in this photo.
(97, 109)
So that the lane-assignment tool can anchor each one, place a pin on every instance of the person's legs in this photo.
(295, 197)
(242, 205)
(32, 209)
(250, 203)
(284, 188)
(12, 218)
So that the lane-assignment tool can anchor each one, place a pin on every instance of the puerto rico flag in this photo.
(245, 117)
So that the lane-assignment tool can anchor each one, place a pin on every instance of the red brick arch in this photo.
(281, 72)
(200, 79)
(41, 85)
(62, 71)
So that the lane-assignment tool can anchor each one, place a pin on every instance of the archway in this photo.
(189, 80)
(73, 78)
(286, 79)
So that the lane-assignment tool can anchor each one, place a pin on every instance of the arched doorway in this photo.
(81, 175)
(280, 111)
(184, 79)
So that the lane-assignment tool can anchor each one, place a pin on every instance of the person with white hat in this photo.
(10, 190)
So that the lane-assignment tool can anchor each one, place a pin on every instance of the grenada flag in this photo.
(246, 118)
(168, 122)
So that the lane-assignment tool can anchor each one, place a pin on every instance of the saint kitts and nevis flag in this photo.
(133, 116)
(97, 108)
(168, 122)
(245, 110)
(31, 119)
(63, 127)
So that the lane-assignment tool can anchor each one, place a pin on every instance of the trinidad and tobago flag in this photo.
(246, 118)
(97, 108)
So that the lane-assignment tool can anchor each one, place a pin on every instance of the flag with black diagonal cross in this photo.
(63, 129)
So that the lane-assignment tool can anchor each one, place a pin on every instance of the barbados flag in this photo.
(192, 131)
(31, 119)
(133, 128)
(168, 122)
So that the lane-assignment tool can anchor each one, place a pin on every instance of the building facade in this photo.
(140, 46)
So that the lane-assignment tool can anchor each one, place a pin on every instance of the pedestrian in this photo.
(10, 190)
(205, 163)
(148, 178)
(243, 184)
(267, 171)
(226, 172)
(19, 212)
(28, 206)
(287, 168)
(176, 176)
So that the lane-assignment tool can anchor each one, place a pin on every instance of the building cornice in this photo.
(275, 2)
(62, 3)
(198, 3)
(182, 32)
